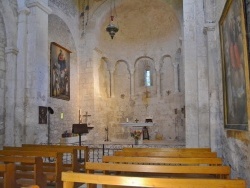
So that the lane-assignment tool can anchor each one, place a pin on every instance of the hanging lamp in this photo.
(112, 29)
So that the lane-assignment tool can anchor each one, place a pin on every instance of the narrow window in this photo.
(147, 78)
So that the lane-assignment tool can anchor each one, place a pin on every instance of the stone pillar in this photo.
(21, 75)
(158, 82)
(191, 76)
(112, 88)
(37, 66)
(214, 108)
(132, 82)
(176, 79)
(11, 54)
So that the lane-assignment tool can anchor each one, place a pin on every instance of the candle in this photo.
(127, 120)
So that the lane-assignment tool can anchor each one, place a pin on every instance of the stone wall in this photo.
(116, 70)
(232, 145)
(2, 76)
(60, 33)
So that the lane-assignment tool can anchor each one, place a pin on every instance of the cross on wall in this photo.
(86, 115)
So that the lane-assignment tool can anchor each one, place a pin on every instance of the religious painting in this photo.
(59, 72)
(42, 117)
(235, 65)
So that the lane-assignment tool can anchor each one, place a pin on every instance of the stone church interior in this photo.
(108, 76)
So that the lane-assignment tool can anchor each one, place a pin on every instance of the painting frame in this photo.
(59, 72)
(43, 117)
(235, 66)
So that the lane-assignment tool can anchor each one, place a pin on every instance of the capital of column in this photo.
(39, 4)
(208, 27)
(11, 50)
(24, 10)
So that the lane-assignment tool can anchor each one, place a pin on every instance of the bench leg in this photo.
(68, 184)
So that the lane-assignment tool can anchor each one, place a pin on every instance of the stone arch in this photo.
(141, 64)
(122, 79)
(70, 25)
(167, 76)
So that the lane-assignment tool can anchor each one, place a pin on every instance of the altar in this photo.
(141, 127)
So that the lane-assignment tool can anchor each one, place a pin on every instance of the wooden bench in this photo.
(24, 178)
(85, 149)
(8, 174)
(159, 170)
(166, 154)
(168, 149)
(69, 178)
(51, 175)
(162, 160)
(74, 165)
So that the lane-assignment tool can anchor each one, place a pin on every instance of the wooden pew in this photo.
(80, 148)
(162, 160)
(54, 175)
(73, 166)
(69, 178)
(36, 177)
(168, 149)
(8, 171)
(159, 170)
(166, 154)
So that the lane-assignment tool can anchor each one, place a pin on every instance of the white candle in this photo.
(127, 120)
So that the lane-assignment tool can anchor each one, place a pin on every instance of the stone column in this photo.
(191, 76)
(214, 108)
(21, 75)
(176, 79)
(112, 88)
(132, 82)
(11, 55)
(158, 81)
(37, 66)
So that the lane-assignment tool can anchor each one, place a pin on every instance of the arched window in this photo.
(147, 78)
(147, 74)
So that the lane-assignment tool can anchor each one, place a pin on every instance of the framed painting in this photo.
(235, 65)
(42, 118)
(59, 72)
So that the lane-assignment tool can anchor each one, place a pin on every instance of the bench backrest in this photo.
(220, 171)
(169, 149)
(162, 160)
(36, 169)
(62, 147)
(73, 152)
(166, 154)
(58, 156)
(69, 178)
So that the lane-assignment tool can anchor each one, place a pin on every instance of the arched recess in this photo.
(104, 78)
(142, 65)
(122, 79)
(167, 78)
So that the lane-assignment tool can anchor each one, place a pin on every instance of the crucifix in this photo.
(136, 120)
(86, 115)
